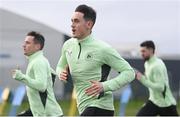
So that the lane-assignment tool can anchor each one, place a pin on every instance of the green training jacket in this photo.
(91, 60)
(157, 82)
(39, 86)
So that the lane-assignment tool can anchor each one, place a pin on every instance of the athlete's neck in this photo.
(85, 35)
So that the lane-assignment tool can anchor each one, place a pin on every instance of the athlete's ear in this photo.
(151, 50)
(38, 46)
(89, 24)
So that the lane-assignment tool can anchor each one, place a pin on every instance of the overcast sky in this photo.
(121, 23)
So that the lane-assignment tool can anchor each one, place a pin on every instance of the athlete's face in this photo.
(146, 53)
(29, 46)
(80, 27)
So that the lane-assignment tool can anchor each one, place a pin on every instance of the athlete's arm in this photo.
(62, 64)
(113, 59)
(64, 74)
(158, 83)
(39, 82)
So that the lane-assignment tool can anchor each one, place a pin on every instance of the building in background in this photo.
(13, 29)
(122, 24)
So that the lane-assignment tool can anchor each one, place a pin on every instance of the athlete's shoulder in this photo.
(158, 65)
(159, 61)
(105, 49)
(102, 44)
(41, 60)
(39, 63)
(69, 42)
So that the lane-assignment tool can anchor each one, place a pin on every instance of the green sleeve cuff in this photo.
(19, 75)
(105, 86)
(143, 79)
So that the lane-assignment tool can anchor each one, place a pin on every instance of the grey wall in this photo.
(13, 29)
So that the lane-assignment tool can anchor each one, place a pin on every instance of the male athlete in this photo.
(161, 101)
(89, 61)
(38, 79)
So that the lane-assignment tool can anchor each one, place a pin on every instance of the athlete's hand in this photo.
(95, 89)
(13, 71)
(64, 74)
(138, 75)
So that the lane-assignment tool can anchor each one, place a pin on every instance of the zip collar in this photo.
(87, 39)
(34, 55)
(152, 59)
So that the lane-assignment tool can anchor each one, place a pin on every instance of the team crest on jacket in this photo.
(89, 56)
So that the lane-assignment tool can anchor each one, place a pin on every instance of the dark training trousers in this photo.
(150, 109)
(94, 111)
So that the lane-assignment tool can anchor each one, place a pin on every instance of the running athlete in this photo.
(89, 61)
(38, 79)
(161, 101)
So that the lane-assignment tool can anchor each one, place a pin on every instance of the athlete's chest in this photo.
(149, 72)
(29, 70)
(83, 57)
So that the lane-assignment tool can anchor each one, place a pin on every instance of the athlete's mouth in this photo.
(73, 30)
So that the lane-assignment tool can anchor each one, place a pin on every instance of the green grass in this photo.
(131, 110)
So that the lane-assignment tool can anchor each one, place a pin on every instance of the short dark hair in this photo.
(89, 12)
(148, 44)
(38, 38)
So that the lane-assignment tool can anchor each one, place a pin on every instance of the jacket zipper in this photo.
(79, 51)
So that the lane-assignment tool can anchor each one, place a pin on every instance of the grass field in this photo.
(132, 107)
